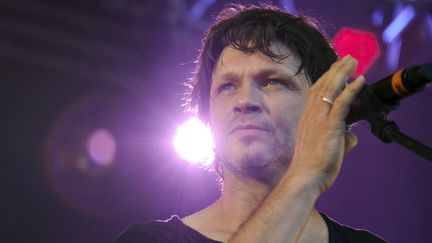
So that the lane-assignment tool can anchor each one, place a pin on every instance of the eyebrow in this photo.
(264, 73)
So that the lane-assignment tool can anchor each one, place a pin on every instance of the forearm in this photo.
(321, 142)
(283, 214)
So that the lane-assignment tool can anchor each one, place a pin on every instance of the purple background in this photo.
(67, 69)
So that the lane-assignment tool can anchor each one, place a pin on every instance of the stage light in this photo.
(428, 23)
(193, 142)
(362, 45)
(399, 23)
(377, 17)
(289, 5)
(393, 53)
(101, 147)
(198, 9)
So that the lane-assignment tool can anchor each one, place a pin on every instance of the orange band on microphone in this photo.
(397, 84)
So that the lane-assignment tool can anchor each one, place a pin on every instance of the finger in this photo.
(331, 84)
(351, 141)
(340, 76)
(342, 103)
(334, 80)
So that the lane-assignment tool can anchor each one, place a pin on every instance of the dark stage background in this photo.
(68, 68)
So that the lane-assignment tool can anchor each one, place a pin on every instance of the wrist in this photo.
(305, 182)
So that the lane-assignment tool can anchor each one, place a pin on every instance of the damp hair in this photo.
(251, 29)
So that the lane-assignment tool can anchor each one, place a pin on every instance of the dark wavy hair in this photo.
(253, 29)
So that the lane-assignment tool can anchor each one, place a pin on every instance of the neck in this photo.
(240, 197)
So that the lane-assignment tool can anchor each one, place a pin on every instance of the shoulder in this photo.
(171, 230)
(341, 233)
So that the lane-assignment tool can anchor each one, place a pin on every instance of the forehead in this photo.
(232, 59)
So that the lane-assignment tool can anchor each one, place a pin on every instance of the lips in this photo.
(251, 127)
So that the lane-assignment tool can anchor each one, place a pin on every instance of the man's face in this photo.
(255, 104)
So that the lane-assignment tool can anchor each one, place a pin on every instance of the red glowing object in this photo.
(362, 45)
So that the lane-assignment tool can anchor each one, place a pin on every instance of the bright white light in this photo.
(193, 142)
(101, 147)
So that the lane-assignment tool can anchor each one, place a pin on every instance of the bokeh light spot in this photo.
(101, 146)
(362, 45)
(193, 142)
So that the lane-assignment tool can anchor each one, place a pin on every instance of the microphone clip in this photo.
(368, 106)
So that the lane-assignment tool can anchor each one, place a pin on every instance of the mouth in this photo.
(251, 127)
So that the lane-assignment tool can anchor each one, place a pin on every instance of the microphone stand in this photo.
(388, 132)
(369, 107)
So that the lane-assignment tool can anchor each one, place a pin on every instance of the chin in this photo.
(264, 163)
(256, 153)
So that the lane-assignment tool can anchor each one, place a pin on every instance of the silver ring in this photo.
(327, 100)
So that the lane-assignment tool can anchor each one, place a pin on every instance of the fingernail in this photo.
(346, 57)
(360, 76)
(360, 79)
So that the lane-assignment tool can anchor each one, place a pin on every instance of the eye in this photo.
(280, 83)
(226, 86)
(269, 82)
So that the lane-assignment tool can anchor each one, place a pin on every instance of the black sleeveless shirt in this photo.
(174, 231)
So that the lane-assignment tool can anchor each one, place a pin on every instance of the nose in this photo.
(248, 100)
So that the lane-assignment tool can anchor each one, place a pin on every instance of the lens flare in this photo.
(193, 142)
(101, 146)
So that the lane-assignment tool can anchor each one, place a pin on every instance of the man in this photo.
(276, 98)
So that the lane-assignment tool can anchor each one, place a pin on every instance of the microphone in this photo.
(383, 96)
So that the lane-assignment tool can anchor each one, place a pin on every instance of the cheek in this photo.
(217, 119)
(286, 116)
